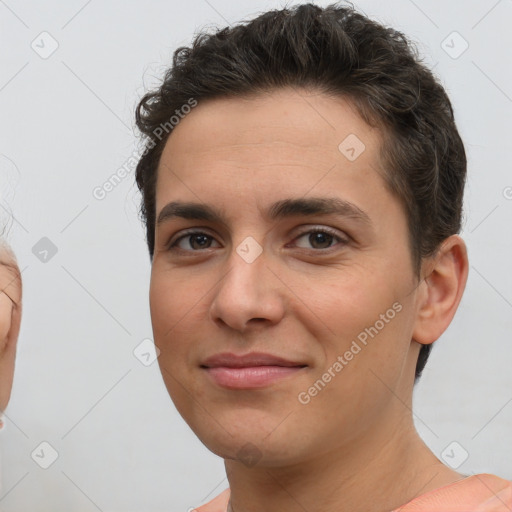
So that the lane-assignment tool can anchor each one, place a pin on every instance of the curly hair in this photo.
(342, 53)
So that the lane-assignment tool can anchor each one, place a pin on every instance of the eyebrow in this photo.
(279, 210)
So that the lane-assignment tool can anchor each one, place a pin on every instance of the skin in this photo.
(353, 446)
(10, 318)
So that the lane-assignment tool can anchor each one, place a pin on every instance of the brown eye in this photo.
(319, 238)
(195, 240)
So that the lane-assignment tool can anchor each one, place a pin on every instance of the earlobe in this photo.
(442, 290)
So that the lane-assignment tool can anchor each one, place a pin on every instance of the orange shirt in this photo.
(476, 493)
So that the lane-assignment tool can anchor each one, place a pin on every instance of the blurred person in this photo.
(10, 318)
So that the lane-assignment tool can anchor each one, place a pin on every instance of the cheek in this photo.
(178, 306)
(367, 324)
(168, 307)
(348, 306)
(172, 298)
(360, 388)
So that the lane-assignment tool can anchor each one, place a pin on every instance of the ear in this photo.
(441, 290)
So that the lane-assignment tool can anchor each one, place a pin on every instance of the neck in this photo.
(382, 469)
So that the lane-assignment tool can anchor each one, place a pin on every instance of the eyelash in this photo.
(173, 246)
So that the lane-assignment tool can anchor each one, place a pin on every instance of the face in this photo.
(10, 316)
(296, 249)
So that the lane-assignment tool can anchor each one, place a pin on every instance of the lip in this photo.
(230, 360)
(249, 371)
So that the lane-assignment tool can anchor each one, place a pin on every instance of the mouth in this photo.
(250, 371)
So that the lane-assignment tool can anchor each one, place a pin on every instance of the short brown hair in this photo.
(343, 53)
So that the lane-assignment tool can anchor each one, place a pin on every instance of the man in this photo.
(302, 190)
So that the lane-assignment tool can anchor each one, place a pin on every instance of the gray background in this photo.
(66, 125)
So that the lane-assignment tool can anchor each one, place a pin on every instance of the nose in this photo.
(248, 294)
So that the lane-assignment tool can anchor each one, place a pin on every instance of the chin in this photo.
(264, 447)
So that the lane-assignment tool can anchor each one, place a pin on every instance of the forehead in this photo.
(254, 151)
(280, 120)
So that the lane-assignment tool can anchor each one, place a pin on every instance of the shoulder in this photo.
(479, 493)
(476, 493)
(218, 504)
(496, 493)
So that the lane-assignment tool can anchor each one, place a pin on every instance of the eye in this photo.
(195, 240)
(320, 238)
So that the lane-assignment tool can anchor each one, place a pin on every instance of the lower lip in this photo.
(250, 377)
